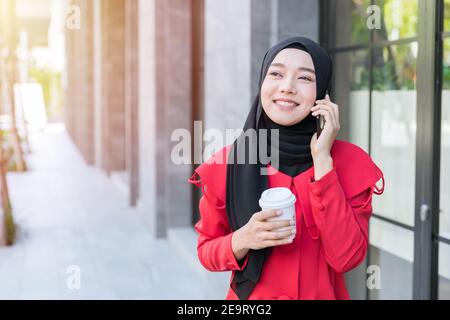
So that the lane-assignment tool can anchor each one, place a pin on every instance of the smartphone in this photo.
(320, 123)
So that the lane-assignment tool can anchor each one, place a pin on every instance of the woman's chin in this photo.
(286, 117)
(284, 121)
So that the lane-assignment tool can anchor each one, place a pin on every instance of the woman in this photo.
(332, 180)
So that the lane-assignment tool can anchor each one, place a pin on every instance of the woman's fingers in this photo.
(327, 101)
(266, 214)
(332, 107)
(326, 106)
(331, 111)
(272, 225)
(320, 110)
(266, 232)
(276, 235)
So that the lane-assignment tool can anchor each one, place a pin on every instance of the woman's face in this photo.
(288, 91)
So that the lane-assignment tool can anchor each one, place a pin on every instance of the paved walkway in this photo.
(71, 214)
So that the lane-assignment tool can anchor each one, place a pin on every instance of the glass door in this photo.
(375, 85)
(443, 236)
(386, 80)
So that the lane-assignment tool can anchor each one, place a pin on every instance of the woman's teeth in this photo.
(286, 104)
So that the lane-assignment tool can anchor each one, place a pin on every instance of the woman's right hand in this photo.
(260, 233)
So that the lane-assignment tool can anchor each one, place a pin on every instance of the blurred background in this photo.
(91, 91)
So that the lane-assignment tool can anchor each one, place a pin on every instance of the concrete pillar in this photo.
(264, 33)
(147, 202)
(68, 90)
(75, 51)
(97, 82)
(113, 87)
(198, 90)
(173, 108)
(131, 98)
(228, 42)
(164, 105)
(86, 76)
(78, 103)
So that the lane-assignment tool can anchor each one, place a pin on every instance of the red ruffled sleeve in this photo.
(341, 203)
(214, 234)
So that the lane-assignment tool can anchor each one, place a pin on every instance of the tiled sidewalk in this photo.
(71, 214)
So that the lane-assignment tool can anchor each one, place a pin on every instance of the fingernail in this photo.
(292, 222)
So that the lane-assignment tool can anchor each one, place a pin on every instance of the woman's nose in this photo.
(287, 86)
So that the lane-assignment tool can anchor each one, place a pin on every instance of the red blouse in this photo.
(332, 216)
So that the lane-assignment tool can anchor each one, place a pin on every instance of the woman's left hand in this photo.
(322, 146)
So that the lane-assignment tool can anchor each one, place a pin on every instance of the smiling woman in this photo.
(333, 183)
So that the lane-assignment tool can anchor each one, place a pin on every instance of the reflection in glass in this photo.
(446, 15)
(348, 22)
(399, 19)
(351, 91)
(393, 136)
(392, 253)
(444, 271)
(444, 218)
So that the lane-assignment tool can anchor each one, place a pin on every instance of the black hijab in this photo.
(245, 183)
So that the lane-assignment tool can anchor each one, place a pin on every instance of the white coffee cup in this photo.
(280, 199)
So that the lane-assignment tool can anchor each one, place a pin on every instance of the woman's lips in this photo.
(285, 105)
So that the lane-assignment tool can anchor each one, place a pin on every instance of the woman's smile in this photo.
(285, 104)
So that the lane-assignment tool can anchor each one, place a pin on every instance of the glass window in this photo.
(444, 271)
(348, 22)
(399, 19)
(444, 219)
(392, 253)
(352, 92)
(393, 123)
(447, 15)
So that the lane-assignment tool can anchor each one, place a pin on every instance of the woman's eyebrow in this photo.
(281, 65)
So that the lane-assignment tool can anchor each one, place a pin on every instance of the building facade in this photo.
(138, 70)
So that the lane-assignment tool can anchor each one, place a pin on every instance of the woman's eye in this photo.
(277, 74)
(306, 78)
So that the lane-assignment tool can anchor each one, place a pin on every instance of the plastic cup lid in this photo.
(276, 198)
